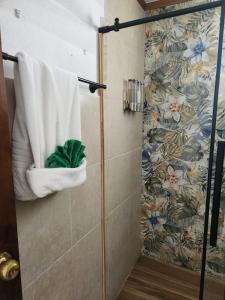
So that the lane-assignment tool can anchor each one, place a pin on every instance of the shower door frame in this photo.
(117, 26)
(212, 147)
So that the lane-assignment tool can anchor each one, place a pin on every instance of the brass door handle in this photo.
(9, 268)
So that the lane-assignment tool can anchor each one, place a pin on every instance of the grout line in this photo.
(93, 164)
(124, 153)
(83, 237)
(71, 242)
(47, 269)
(136, 192)
(61, 257)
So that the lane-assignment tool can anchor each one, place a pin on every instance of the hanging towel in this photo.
(47, 115)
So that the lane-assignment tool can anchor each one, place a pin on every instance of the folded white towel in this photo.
(47, 114)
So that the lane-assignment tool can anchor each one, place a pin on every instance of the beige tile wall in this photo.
(123, 59)
(59, 236)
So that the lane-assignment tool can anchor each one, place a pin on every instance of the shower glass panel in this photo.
(214, 287)
(180, 70)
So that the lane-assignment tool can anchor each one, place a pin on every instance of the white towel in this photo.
(47, 114)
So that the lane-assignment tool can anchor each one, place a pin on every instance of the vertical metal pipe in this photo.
(102, 136)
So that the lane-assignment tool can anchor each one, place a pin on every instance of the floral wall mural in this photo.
(180, 65)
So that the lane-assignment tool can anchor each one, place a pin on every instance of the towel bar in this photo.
(93, 86)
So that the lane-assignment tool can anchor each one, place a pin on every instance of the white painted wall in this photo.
(60, 32)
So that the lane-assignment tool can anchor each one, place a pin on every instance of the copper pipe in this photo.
(102, 135)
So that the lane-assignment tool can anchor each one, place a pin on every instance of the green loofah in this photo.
(68, 156)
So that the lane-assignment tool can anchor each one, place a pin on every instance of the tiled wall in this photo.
(123, 59)
(59, 236)
(176, 139)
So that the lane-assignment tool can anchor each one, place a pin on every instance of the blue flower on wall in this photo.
(154, 221)
(197, 50)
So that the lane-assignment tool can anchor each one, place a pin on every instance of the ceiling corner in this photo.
(142, 3)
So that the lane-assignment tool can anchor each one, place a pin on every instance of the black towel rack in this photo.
(93, 86)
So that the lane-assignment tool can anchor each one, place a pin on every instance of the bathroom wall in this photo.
(59, 236)
(123, 59)
(180, 77)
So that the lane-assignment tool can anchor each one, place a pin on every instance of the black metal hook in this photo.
(116, 24)
(93, 88)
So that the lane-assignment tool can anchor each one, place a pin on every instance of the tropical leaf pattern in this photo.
(180, 66)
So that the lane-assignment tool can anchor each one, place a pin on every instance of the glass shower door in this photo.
(182, 72)
(214, 243)
(180, 69)
(214, 288)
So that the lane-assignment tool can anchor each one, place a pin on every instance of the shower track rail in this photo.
(93, 86)
(117, 25)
